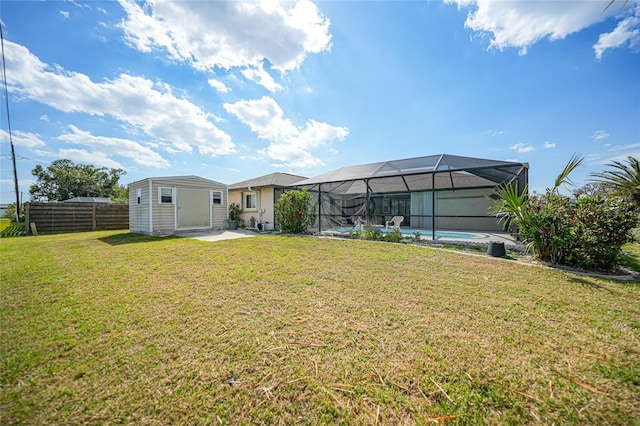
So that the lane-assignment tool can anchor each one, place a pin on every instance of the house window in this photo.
(165, 195)
(250, 201)
(139, 196)
(216, 198)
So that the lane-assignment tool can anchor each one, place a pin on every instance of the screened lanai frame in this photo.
(434, 192)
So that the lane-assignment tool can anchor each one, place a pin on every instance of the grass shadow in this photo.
(590, 284)
(130, 238)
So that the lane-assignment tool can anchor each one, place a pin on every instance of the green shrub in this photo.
(373, 234)
(601, 228)
(588, 233)
(295, 211)
(394, 236)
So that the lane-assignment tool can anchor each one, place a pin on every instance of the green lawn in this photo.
(107, 327)
(5, 222)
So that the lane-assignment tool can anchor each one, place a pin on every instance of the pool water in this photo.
(411, 232)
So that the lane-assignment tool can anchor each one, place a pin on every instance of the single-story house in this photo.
(444, 192)
(168, 205)
(256, 198)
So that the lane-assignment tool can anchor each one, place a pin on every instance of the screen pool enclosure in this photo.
(437, 192)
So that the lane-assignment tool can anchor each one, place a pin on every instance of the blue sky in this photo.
(234, 90)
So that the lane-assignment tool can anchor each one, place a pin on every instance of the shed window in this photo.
(139, 196)
(250, 201)
(165, 195)
(216, 198)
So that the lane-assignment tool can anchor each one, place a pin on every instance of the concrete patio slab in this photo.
(221, 235)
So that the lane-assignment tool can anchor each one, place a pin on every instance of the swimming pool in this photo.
(410, 232)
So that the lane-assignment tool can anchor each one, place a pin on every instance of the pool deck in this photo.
(485, 237)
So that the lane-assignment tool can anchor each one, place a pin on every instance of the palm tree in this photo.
(563, 177)
(613, 1)
(623, 180)
(509, 205)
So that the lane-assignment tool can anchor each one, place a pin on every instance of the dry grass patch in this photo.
(108, 327)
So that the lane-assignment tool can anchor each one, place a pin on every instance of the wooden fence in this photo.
(54, 218)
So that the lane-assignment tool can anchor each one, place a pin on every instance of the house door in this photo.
(401, 206)
(193, 208)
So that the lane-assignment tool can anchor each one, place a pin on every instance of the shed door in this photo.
(194, 208)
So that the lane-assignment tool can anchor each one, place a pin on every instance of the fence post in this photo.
(93, 217)
(27, 229)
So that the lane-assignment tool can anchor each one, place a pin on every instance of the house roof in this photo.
(273, 180)
(450, 171)
(185, 177)
(100, 200)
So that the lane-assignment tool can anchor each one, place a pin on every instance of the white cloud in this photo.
(290, 145)
(522, 148)
(226, 34)
(44, 117)
(218, 85)
(65, 15)
(22, 182)
(96, 158)
(80, 5)
(136, 101)
(494, 133)
(135, 151)
(521, 24)
(599, 135)
(626, 32)
(25, 139)
(549, 145)
(630, 146)
(263, 78)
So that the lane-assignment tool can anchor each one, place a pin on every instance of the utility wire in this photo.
(13, 150)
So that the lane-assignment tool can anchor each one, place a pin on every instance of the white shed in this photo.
(168, 205)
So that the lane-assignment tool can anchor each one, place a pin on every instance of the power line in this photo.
(13, 150)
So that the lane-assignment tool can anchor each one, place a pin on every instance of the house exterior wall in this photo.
(264, 205)
(462, 202)
(153, 217)
(139, 212)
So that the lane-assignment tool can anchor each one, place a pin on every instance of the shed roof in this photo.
(273, 180)
(186, 177)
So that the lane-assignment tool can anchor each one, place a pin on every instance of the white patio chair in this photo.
(395, 221)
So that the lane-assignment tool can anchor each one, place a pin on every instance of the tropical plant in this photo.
(587, 233)
(611, 2)
(623, 180)
(508, 205)
(234, 211)
(295, 211)
(563, 178)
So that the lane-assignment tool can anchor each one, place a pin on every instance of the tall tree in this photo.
(64, 179)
